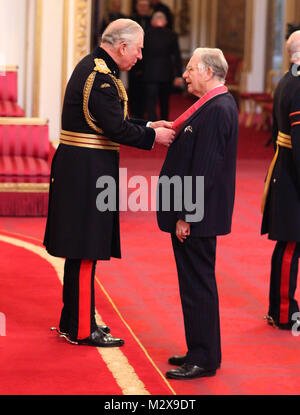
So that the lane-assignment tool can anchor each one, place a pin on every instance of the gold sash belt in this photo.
(87, 140)
(283, 140)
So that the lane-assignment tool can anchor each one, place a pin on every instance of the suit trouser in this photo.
(195, 260)
(158, 92)
(283, 282)
(78, 313)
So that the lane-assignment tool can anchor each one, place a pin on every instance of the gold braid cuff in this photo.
(102, 68)
(283, 140)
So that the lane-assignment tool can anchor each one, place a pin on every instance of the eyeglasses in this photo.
(201, 67)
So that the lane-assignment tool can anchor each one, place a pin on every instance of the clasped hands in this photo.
(164, 133)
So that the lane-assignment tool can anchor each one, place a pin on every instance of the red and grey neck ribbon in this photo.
(219, 90)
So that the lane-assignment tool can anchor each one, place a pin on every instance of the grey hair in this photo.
(121, 30)
(213, 58)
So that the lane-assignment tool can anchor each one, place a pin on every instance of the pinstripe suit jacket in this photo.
(205, 146)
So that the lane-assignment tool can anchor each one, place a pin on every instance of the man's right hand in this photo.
(164, 136)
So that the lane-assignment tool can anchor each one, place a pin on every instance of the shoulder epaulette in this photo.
(101, 66)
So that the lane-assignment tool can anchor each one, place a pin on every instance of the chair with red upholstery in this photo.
(9, 92)
(24, 166)
(233, 78)
(257, 100)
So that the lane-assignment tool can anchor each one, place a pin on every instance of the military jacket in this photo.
(94, 104)
(281, 216)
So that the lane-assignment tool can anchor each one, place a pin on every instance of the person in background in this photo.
(158, 6)
(136, 84)
(281, 198)
(113, 14)
(162, 66)
(142, 14)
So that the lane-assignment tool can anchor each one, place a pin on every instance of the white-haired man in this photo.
(94, 124)
(204, 148)
(281, 199)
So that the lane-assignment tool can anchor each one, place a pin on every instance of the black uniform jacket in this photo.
(75, 227)
(281, 219)
(205, 146)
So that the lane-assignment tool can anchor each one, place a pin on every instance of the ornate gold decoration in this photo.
(81, 30)
(283, 140)
(9, 68)
(37, 57)
(88, 141)
(100, 66)
(24, 187)
(23, 121)
(86, 96)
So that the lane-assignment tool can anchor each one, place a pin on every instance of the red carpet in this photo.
(138, 297)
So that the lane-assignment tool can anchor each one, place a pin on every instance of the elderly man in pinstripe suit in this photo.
(205, 146)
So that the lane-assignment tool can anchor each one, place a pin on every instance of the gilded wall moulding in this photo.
(81, 30)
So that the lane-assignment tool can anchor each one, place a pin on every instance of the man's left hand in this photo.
(183, 230)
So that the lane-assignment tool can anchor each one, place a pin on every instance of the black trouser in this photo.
(78, 313)
(136, 97)
(283, 283)
(158, 92)
(195, 260)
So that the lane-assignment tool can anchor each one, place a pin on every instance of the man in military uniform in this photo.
(281, 199)
(94, 124)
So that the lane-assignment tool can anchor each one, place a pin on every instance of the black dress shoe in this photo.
(276, 325)
(189, 371)
(106, 330)
(177, 360)
(180, 360)
(100, 339)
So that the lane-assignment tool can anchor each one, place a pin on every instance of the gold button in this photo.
(52, 180)
(274, 180)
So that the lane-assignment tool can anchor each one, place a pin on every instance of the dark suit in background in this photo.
(136, 83)
(162, 63)
(205, 146)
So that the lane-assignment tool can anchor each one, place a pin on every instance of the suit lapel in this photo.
(196, 113)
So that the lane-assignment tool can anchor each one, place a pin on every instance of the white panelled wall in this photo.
(51, 64)
(40, 36)
(13, 38)
(256, 77)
